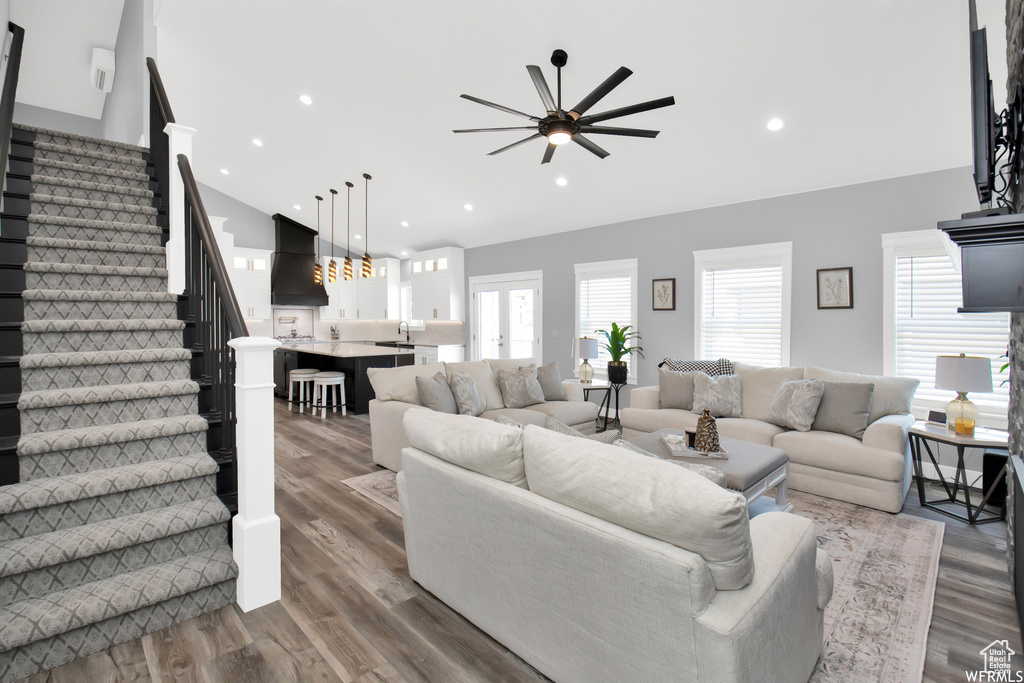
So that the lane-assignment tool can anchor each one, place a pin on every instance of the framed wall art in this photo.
(835, 288)
(664, 293)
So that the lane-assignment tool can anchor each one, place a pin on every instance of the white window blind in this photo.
(606, 294)
(928, 292)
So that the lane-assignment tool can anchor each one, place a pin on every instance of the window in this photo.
(922, 293)
(606, 294)
(741, 303)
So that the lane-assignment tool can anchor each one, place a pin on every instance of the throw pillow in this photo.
(845, 408)
(551, 382)
(629, 446)
(557, 425)
(722, 366)
(675, 389)
(467, 396)
(720, 395)
(796, 403)
(520, 388)
(436, 394)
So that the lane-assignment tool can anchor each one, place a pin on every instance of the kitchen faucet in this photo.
(406, 329)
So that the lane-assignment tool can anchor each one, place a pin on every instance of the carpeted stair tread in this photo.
(113, 173)
(100, 435)
(74, 358)
(73, 183)
(33, 620)
(93, 223)
(45, 550)
(49, 132)
(92, 204)
(64, 326)
(89, 269)
(88, 245)
(53, 398)
(39, 493)
(131, 160)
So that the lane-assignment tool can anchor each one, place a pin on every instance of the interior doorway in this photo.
(506, 315)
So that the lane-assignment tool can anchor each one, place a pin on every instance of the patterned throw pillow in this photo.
(435, 394)
(520, 388)
(556, 425)
(551, 382)
(467, 396)
(720, 395)
(796, 403)
(722, 366)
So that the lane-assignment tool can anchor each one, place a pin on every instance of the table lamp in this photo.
(962, 374)
(586, 348)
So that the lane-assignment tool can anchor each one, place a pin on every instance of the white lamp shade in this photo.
(963, 374)
(586, 348)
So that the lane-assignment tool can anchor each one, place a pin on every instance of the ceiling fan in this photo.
(560, 126)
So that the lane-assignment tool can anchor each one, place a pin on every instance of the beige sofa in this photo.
(873, 471)
(395, 391)
(594, 563)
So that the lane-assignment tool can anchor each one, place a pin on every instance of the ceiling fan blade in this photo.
(612, 130)
(514, 144)
(588, 145)
(542, 88)
(626, 111)
(621, 74)
(548, 153)
(491, 130)
(498, 106)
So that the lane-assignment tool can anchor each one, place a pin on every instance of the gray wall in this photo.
(126, 109)
(42, 117)
(252, 228)
(829, 228)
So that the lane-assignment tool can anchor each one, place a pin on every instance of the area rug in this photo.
(885, 567)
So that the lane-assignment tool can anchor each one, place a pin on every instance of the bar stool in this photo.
(322, 383)
(304, 378)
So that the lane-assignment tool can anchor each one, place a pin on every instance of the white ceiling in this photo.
(868, 90)
(55, 61)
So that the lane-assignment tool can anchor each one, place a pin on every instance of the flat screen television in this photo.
(983, 117)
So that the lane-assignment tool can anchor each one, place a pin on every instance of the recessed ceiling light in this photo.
(562, 181)
(468, 207)
(359, 237)
(257, 142)
(775, 124)
(297, 207)
(405, 224)
(224, 171)
(405, 253)
(305, 99)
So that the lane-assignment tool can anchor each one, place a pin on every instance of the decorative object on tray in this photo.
(678, 445)
(835, 288)
(616, 343)
(664, 293)
(706, 440)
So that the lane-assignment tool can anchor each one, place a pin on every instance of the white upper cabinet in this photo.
(377, 297)
(249, 270)
(438, 285)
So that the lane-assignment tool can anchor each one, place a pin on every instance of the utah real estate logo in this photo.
(997, 668)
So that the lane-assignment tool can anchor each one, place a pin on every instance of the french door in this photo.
(506, 315)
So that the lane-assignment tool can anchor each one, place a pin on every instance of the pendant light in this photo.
(366, 229)
(332, 267)
(348, 240)
(318, 271)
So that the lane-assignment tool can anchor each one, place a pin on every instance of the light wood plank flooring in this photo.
(350, 612)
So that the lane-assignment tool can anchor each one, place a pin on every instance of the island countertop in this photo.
(346, 350)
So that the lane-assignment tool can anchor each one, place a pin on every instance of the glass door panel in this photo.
(489, 337)
(520, 323)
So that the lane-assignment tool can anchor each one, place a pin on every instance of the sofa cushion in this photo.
(720, 395)
(653, 419)
(569, 412)
(483, 446)
(435, 394)
(561, 428)
(399, 384)
(844, 408)
(510, 364)
(518, 415)
(467, 397)
(842, 453)
(722, 366)
(796, 403)
(675, 389)
(892, 396)
(754, 431)
(759, 387)
(651, 497)
(520, 388)
(483, 376)
(551, 382)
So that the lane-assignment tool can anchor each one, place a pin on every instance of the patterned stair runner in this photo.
(115, 529)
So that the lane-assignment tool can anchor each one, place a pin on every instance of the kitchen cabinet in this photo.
(342, 293)
(285, 361)
(250, 276)
(438, 285)
(448, 353)
(377, 297)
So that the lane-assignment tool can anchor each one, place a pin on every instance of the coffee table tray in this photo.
(677, 446)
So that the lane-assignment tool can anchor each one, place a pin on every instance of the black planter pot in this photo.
(617, 372)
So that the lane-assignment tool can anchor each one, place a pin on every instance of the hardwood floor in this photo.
(350, 612)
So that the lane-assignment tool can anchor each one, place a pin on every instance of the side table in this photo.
(599, 385)
(923, 432)
(615, 422)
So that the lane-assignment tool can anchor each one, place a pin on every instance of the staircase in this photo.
(114, 529)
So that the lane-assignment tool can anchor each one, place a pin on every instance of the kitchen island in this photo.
(352, 359)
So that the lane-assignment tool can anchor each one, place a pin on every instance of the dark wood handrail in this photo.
(7, 98)
(220, 272)
(157, 85)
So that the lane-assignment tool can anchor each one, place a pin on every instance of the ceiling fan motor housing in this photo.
(555, 124)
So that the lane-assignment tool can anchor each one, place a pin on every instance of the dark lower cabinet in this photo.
(358, 392)
(284, 362)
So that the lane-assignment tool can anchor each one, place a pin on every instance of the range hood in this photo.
(291, 277)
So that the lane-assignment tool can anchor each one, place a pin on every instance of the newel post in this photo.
(179, 141)
(256, 528)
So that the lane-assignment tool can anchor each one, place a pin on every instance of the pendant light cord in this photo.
(333, 194)
(366, 225)
(317, 243)
(348, 230)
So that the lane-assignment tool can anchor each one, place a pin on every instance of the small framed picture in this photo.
(835, 288)
(664, 292)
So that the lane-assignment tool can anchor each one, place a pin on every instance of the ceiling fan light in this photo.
(559, 138)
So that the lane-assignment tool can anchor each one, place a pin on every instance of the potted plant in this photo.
(617, 342)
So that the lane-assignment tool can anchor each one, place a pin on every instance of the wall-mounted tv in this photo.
(983, 117)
